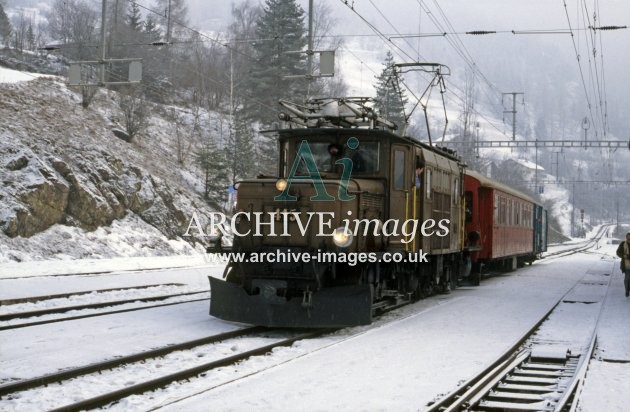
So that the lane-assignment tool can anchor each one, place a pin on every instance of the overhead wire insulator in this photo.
(609, 27)
(480, 32)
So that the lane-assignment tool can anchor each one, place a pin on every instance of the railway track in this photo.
(94, 306)
(588, 244)
(49, 311)
(99, 373)
(35, 299)
(534, 374)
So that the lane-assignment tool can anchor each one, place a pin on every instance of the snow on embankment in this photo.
(70, 188)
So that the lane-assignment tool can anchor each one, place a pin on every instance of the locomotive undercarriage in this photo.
(317, 294)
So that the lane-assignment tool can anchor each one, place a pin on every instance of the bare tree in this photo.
(73, 22)
(20, 36)
(242, 33)
(135, 112)
(205, 64)
(175, 17)
(323, 25)
(468, 120)
(182, 135)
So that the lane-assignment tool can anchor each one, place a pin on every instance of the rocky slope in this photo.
(64, 175)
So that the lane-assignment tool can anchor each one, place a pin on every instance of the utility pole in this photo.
(326, 57)
(557, 164)
(168, 23)
(103, 45)
(77, 76)
(572, 209)
(310, 37)
(477, 126)
(513, 111)
(586, 124)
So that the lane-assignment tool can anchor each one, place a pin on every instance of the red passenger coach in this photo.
(499, 223)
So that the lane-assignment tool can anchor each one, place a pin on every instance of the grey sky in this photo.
(543, 66)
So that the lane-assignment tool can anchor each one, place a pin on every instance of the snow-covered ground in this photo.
(14, 76)
(404, 360)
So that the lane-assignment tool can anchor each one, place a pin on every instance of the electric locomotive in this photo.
(358, 219)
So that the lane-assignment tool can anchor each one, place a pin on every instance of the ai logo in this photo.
(304, 154)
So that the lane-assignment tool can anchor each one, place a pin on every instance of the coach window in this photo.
(399, 170)
(468, 199)
(496, 209)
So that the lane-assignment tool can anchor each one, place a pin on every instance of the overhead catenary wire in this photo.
(577, 56)
(398, 50)
(459, 47)
(601, 56)
(592, 65)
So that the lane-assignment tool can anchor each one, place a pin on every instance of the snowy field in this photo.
(403, 361)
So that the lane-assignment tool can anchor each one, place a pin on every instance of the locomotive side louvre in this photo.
(442, 200)
(437, 200)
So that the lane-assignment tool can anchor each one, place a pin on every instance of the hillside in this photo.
(72, 189)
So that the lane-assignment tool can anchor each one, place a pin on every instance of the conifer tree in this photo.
(151, 29)
(241, 150)
(390, 102)
(134, 17)
(30, 37)
(280, 29)
(213, 162)
(5, 26)
(175, 15)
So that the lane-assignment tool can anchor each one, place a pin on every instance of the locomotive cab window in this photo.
(364, 157)
(322, 155)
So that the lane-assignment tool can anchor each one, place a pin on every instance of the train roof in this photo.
(493, 184)
(354, 113)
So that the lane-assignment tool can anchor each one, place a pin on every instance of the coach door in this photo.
(399, 193)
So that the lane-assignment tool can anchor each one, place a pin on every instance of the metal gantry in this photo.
(499, 144)
(569, 182)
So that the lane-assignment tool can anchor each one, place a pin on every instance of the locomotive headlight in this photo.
(281, 184)
(341, 237)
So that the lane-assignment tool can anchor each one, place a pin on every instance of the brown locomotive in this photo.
(359, 218)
